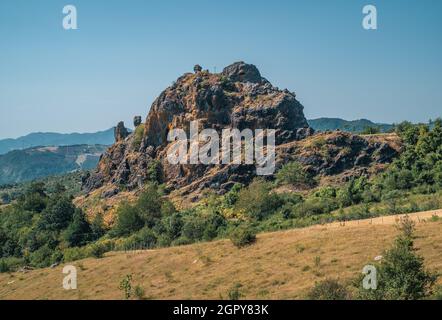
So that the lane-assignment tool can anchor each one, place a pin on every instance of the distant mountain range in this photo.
(325, 124)
(107, 137)
(38, 162)
(57, 139)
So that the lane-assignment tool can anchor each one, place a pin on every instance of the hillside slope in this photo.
(355, 126)
(281, 265)
(29, 164)
(56, 139)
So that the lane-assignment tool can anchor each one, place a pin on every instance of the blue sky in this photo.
(126, 52)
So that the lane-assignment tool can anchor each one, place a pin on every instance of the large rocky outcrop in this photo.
(238, 97)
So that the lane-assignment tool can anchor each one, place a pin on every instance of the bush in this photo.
(79, 232)
(315, 206)
(97, 250)
(257, 200)
(401, 275)
(438, 293)
(74, 254)
(328, 289)
(293, 173)
(10, 264)
(370, 130)
(139, 293)
(243, 236)
(126, 286)
(143, 239)
(138, 136)
(128, 220)
(234, 292)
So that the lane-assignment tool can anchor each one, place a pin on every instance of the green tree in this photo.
(128, 220)
(401, 275)
(58, 214)
(79, 232)
(293, 173)
(257, 200)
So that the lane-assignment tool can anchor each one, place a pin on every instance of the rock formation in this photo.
(238, 97)
(121, 132)
(137, 121)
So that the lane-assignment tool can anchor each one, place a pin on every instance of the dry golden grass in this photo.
(281, 265)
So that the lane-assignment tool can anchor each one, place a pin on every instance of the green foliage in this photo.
(58, 213)
(139, 293)
(234, 292)
(10, 264)
(155, 172)
(126, 286)
(74, 254)
(79, 232)
(328, 289)
(138, 136)
(232, 196)
(143, 239)
(40, 224)
(293, 173)
(146, 212)
(257, 201)
(242, 236)
(97, 250)
(401, 275)
(371, 130)
(128, 220)
(97, 227)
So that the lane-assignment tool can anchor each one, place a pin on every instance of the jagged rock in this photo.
(242, 72)
(137, 121)
(197, 68)
(120, 132)
(110, 193)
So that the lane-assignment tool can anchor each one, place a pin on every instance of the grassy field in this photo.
(281, 265)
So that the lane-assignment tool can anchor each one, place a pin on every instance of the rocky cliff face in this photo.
(239, 97)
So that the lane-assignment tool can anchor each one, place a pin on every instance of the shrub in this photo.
(401, 275)
(10, 264)
(138, 136)
(328, 289)
(438, 293)
(234, 292)
(257, 200)
(73, 254)
(242, 236)
(143, 239)
(128, 220)
(139, 293)
(41, 258)
(97, 250)
(314, 206)
(79, 232)
(293, 173)
(194, 228)
(370, 130)
(126, 286)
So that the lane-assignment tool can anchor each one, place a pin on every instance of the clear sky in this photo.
(126, 52)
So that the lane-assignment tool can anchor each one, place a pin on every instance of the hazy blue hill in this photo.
(38, 162)
(324, 124)
(57, 139)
